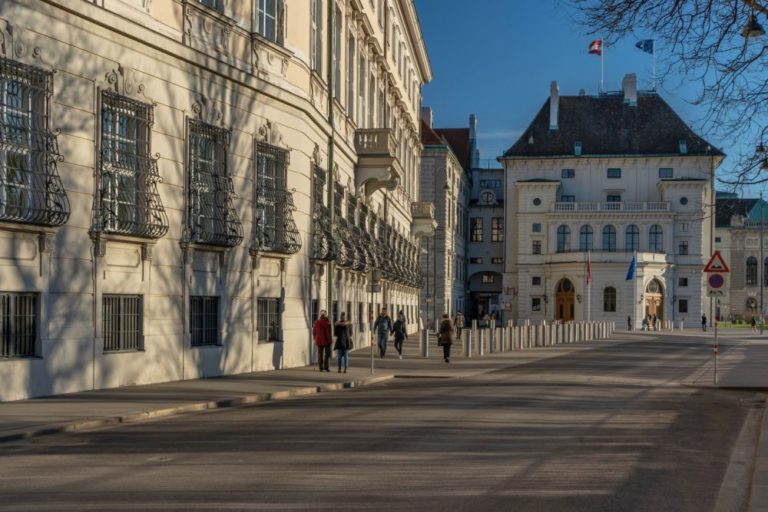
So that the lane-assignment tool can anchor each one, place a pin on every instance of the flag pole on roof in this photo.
(596, 48)
(649, 46)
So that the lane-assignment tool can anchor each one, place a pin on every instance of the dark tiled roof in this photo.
(605, 125)
(428, 135)
(725, 208)
(458, 139)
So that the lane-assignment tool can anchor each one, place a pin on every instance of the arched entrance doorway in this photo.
(654, 301)
(565, 297)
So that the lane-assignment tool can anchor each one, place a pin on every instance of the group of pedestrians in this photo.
(340, 337)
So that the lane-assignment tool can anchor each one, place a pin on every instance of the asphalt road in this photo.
(606, 429)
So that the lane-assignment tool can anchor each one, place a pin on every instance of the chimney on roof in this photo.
(554, 105)
(426, 115)
(629, 86)
(475, 155)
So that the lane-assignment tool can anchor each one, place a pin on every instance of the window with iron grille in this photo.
(275, 229)
(123, 318)
(129, 201)
(497, 229)
(682, 282)
(204, 320)
(18, 324)
(217, 5)
(211, 215)
(477, 229)
(536, 247)
(30, 189)
(270, 19)
(536, 281)
(268, 319)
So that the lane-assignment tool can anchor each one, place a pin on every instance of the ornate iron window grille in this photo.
(356, 234)
(30, 188)
(323, 246)
(273, 228)
(212, 219)
(127, 201)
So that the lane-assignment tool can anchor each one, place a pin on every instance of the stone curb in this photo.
(758, 495)
(91, 424)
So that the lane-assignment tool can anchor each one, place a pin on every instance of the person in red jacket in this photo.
(321, 331)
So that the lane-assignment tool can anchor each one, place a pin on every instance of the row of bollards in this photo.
(523, 335)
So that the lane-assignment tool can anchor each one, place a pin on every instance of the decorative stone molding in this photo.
(13, 45)
(317, 158)
(205, 29)
(124, 82)
(205, 109)
(45, 242)
(270, 133)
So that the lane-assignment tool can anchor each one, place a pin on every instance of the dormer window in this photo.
(683, 146)
(577, 148)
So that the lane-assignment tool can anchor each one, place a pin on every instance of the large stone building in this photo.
(609, 177)
(738, 235)
(185, 183)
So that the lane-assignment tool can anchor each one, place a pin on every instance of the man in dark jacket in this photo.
(321, 332)
(382, 327)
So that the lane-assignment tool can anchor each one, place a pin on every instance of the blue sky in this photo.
(498, 57)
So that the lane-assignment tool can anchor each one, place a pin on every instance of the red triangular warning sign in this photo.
(716, 264)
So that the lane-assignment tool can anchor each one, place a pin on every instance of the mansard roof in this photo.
(726, 208)
(606, 125)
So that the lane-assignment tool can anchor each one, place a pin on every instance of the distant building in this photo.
(609, 177)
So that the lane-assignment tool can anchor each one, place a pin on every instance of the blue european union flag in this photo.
(647, 45)
(632, 268)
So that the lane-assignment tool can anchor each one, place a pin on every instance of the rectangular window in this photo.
(536, 247)
(270, 19)
(18, 324)
(360, 316)
(682, 305)
(351, 59)
(315, 310)
(577, 148)
(217, 5)
(567, 174)
(614, 173)
(123, 320)
(536, 227)
(497, 229)
(613, 198)
(567, 198)
(536, 304)
(488, 278)
(536, 281)
(682, 282)
(361, 78)
(682, 248)
(204, 320)
(665, 172)
(335, 312)
(130, 203)
(490, 184)
(497, 261)
(476, 261)
(211, 217)
(718, 240)
(316, 36)
(476, 226)
(268, 319)
(684, 227)
(274, 226)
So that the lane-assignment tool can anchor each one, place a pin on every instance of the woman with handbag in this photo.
(445, 337)
(343, 333)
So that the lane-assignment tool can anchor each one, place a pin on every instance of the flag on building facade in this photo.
(596, 47)
(589, 270)
(647, 45)
(632, 268)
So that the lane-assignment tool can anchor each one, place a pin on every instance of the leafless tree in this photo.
(703, 42)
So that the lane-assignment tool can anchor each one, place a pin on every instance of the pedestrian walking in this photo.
(321, 331)
(342, 331)
(753, 323)
(458, 323)
(704, 323)
(645, 324)
(401, 316)
(445, 337)
(383, 328)
(629, 323)
(399, 330)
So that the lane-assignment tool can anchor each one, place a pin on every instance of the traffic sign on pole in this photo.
(716, 264)
(715, 281)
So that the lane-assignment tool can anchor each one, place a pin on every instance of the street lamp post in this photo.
(446, 188)
(762, 263)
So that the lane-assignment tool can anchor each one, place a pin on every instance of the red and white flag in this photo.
(589, 271)
(596, 47)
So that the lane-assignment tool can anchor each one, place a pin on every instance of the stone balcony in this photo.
(377, 164)
(598, 207)
(424, 223)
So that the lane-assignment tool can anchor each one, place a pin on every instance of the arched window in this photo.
(585, 238)
(609, 238)
(632, 238)
(751, 271)
(563, 238)
(656, 239)
(609, 299)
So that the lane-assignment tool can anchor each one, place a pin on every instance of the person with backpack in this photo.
(382, 327)
(399, 330)
(445, 337)
(321, 331)
(343, 333)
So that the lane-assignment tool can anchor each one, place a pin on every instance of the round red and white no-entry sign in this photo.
(716, 281)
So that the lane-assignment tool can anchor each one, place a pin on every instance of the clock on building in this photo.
(487, 197)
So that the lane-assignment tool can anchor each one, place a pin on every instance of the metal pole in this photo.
(716, 350)
(762, 264)
(371, 319)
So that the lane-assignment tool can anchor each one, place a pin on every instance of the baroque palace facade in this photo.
(184, 184)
